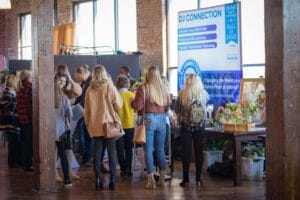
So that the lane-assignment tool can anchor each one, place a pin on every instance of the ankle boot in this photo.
(151, 184)
(161, 181)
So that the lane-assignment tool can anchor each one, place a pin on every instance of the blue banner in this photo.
(231, 23)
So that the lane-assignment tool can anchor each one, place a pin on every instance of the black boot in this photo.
(184, 182)
(112, 184)
(98, 184)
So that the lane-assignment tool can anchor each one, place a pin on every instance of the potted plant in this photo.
(237, 117)
(252, 160)
(213, 151)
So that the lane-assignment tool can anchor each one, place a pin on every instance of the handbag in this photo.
(112, 129)
(140, 129)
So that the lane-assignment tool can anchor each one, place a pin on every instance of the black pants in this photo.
(111, 148)
(26, 145)
(13, 149)
(63, 159)
(187, 138)
(124, 150)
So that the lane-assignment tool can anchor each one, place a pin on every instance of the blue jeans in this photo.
(155, 137)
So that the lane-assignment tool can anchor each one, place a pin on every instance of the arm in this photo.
(86, 108)
(138, 102)
(116, 97)
(73, 91)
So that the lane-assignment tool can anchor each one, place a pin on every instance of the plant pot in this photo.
(238, 127)
(210, 157)
(252, 169)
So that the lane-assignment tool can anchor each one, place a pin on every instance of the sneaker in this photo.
(68, 184)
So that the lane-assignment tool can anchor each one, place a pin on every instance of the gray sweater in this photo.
(62, 113)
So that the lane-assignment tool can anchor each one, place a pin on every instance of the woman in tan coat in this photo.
(102, 101)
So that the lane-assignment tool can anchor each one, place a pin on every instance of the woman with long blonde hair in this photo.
(102, 102)
(192, 91)
(153, 99)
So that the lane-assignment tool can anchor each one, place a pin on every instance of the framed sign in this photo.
(253, 90)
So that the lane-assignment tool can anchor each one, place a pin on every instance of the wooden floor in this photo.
(16, 184)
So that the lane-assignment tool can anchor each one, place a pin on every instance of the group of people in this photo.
(104, 100)
(16, 119)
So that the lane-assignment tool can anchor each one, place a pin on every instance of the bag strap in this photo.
(144, 105)
(113, 114)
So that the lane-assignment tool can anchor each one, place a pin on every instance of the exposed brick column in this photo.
(2, 34)
(64, 11)
(151, 33)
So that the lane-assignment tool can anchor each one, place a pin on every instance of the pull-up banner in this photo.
(209, 45)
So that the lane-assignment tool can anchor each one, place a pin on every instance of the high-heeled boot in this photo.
(161, 181)
(151, 184)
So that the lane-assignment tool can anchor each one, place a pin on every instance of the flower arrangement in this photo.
(233, 113)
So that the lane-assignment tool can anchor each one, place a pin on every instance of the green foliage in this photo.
(214, 145)
(253, 150)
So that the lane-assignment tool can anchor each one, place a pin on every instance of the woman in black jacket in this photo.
(9, 121)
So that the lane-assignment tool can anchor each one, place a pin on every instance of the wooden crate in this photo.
(238, 127)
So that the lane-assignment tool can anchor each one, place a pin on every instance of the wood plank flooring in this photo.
(16, 184)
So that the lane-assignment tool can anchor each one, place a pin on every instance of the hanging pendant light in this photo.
(5, 4)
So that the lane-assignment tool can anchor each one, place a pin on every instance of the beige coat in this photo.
(100, 106)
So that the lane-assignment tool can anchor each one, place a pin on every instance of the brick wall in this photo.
(2, 33)
(151, 20)
(64, 11)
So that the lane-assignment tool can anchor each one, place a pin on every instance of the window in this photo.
(127, 25)
(105, 26)
(84, 31)
(25, 37)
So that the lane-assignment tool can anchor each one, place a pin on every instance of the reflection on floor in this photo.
(17, 184)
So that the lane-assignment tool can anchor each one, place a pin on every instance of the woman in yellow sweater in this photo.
(126, 113)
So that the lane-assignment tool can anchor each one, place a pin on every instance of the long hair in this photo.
(58, 94)
(193, 89)
(25, 75)
(62, 68)
(99, 76)
(155, 88)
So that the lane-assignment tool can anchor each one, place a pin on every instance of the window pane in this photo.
(84, 27)
(174, 7)
(127, 25)
(253, 31)
(105, 26)
(25, 42)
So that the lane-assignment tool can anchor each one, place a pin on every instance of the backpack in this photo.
(197, 117)
(197, 113)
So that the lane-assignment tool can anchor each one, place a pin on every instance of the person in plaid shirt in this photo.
(24, 110)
